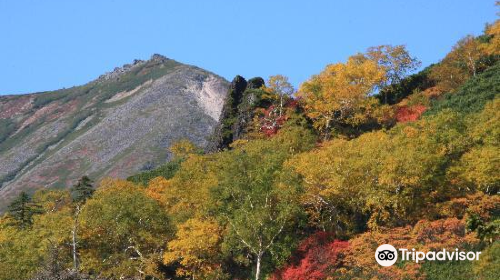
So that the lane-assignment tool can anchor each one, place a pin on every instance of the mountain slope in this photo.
(473, 95)
(114, 126)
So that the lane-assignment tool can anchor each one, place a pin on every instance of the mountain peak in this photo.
(114, 127)
(118, 71)
(158, 58)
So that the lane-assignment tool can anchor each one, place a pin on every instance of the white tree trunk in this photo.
(257, 269)
(74, 239)
(281, 104)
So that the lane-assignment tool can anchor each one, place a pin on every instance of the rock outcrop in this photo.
(237, 112)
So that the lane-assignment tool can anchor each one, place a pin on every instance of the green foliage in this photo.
(22, 209)
(166, 171)
(256, 83)
(258, 199)
(124, 230)
(408, 86)
(473, 95)
(82, 190)
(446, 270)
(488, 267)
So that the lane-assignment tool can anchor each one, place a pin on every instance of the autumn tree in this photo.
(24, 251)
(317, 257)
(257, 199)
(423, 236)
(81, 191)
(464, 61)
(280, 85)
(477, 168)
(197, 249)
(21, 252)
(124, 231)
(183, 148)
(339, 95)
(394, 176)
(396, 62)
(468, 51)
(492, 46)
(186, 195)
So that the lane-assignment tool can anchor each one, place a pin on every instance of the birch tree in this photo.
(255, 201)
(280, 85)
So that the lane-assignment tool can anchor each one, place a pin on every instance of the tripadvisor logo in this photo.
(387, 255)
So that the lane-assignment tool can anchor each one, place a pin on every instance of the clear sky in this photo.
(46, 45)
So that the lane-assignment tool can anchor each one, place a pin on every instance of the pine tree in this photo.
(82, 190)
(22, 210)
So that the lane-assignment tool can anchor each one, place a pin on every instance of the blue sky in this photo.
(46, 45)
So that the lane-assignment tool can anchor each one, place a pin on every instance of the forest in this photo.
(304, 183)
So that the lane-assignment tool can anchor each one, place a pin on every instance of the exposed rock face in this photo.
(113, 126)
(237, 112)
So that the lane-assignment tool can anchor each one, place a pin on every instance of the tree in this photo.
(22, 209)
(186, 195)
(196, 247)
(478, 170)
(464, 61)
(279, 84)
(468, 51)
(394, 175)
(124, 231)
(316, 258)
(257, 199)
(339, 95)
(424, 236)
(492, 47)
(24, 251)
(183, 148)
(396, 62)
(82, 190)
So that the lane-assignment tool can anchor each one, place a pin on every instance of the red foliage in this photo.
(316, 258)
(271, 121)
(409, 114)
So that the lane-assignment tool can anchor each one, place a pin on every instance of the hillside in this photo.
(471, 97)
(369, 170)
(115, 126)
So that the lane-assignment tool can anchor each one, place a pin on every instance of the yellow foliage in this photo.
(493, 46)
(195, 247)
(391, 176)
(463, 62)
(340, 92)
(183, 148)
(185, 195)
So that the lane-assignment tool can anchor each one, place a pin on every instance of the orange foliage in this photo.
(409, 113)
(426, 235)
(318, 256)
(479, 203)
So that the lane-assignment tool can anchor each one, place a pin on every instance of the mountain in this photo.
(116, 125)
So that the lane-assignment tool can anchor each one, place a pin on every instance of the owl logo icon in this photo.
(386, 255)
